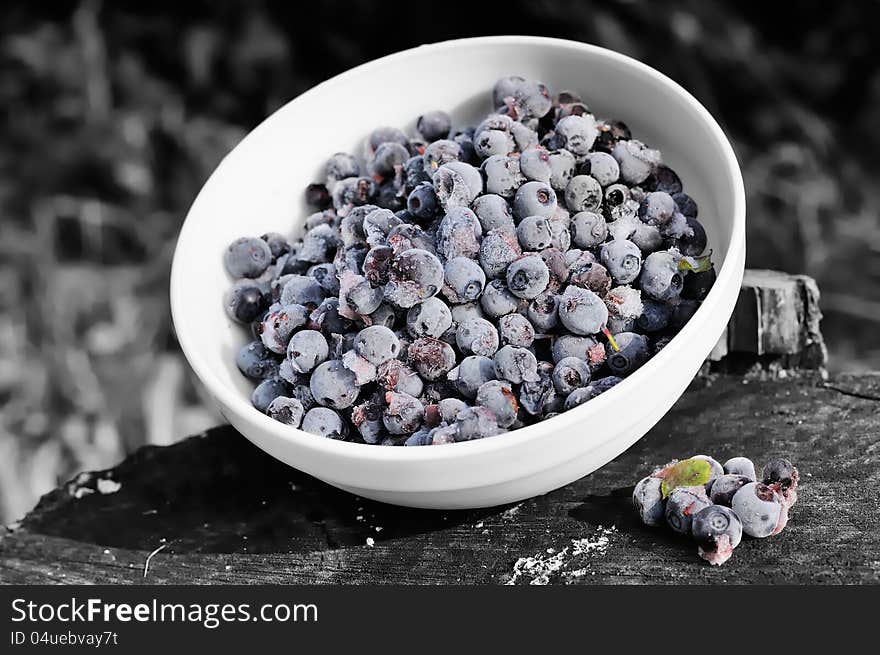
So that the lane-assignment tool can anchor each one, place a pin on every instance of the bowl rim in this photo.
(228, 397)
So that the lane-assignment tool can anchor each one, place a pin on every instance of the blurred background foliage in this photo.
(115, 113)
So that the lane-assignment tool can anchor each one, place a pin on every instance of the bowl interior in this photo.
(259, 186)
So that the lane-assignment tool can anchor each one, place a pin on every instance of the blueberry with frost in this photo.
(438, 153)
(648, 501)
(636, 160)
(324, 422)
(497, 250)
(543, 312)
(588, 229)
(725, 487)
(583, 194)
(471, 374)
(333, 385)
(434, 125)
(464, 280)
(717, 531)
(562, 168)
(528, 277)
(623, 259)
(247, 257)
(497, 397)
(602, 166)
(422, 202)
(388, 159)
(581, 311)
(761, 510)
(404, 414)
(497, 301)
(301, 290)
(494, 213)
(245, 302)
(631, 352)
(286, 410)
(267, 391)
(681, 506)
(577, 134)
(477, 336)
(740, 466)
(516, 365)
(535, 164)
(503, 175)
(533, 233)
(476, 423)
(377, 344)
(256, 361)
(431, 358)
(413, 276)
(493, 142)
(307, 349)
(339, 167)
(459, 234)
(430, 318)
(534, 199)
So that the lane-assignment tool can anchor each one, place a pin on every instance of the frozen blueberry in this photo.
(516, 365)
(569, 374)
(602, 166)
(624, 307)
(357, 297)
(560, 230)
(413, 276)
(430, 318)
(740, 466)
(277, 326)
(394, 375)
(535, 164)
(623, 259)
(434, 125)
(256, 361)
(543, 312)
(325, 276)
(582, 311)
(404, 413)
(464, 280)
(497, 250)
(324, 422)
(422, 202)
(760, 509)
(339, 167)
(457, 184)
(497, 397)
(503, 175)
(633, 351)
(476, 423)
(681, 506)
(477, 336)
(528, 277)
(286, 410)
(648, 500)
(725, 486)
(333, 385)
(569, 345)
(470, 375)
(590, 275)
(267, 391)
(245, 302)
(497, 301)
(459, 234)
(388, 159)
(353, 192)
(781, 473)
(533, 233)
(431, 358)
(588, 229)
(247, 257)
(493, 142)
(301, 290)
(562, 168)
(494, 213)
(534, 199)
(367, 419)
(328, 319)
(717, 531)
(278, 244)
(577, 134)
(307, 349)
(465, 312)
(698, 285)
(657, 208)
(686, 204)
(636, 160)
(583, 194)
(654, 317)
(438, 153)
(377, 344)
(661, 278)
(665, 179)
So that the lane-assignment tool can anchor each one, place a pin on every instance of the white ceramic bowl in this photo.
(259, 187)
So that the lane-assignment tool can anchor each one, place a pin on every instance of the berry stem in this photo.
(610, 338)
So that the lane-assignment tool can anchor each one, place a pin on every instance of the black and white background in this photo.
(114, 114)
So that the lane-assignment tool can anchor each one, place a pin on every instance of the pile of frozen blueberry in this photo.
(715, 504)
(466, 281)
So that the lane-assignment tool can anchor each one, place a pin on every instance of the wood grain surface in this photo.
(215, 509)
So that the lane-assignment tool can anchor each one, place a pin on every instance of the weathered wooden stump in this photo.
(215, 509)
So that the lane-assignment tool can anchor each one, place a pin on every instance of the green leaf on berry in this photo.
(699, 264)
(686, 473)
